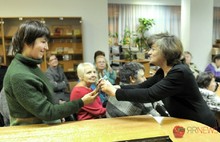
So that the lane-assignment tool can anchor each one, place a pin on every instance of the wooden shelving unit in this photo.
(65, 42)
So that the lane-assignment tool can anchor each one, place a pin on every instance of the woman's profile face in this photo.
(36, 51)
(156, 55)
(212, 85)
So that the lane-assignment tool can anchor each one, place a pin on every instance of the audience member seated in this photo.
(188, 60)
(98, 54)
(3, 70)
(130, 73)
(4, 108)
(103, 68)
(214, 67)
(87, 75)
(58, 79)
(56, 76)
(207, 88)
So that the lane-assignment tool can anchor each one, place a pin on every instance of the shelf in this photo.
(66, 36)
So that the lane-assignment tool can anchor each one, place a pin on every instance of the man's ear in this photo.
(132, 80)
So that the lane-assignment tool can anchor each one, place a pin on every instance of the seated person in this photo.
(214, 67)
(58, 79)
(130, 73)
(188, 60)
(4, 110)
(3, 70)
(87, 75)
(98, 53)
(207, 88)
(103, 68)
(102, 95)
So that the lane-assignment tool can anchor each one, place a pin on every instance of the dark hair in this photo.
(98, 53)
(204, 79)
(187, 52)
(170, 46)
(27, 33)
(216, 57)
(153, 38)
(130, 70)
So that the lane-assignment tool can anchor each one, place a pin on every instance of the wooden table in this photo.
(110, 129)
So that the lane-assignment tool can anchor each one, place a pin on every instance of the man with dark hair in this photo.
(130, 73)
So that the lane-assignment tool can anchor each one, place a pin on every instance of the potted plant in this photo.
(126, 44)
(141, 37)
(113, 39)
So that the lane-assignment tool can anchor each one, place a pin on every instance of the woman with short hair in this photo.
(27, 89)
(173, 83)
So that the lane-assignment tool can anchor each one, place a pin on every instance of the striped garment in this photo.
(115, 108)
(212, 99)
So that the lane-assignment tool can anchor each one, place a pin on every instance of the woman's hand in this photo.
(90, 97)
(107, 87)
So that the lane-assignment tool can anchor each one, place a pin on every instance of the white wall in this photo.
(196, 30)
(94, 14)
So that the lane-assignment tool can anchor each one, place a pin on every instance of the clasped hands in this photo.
(106, 87)
(102, 85)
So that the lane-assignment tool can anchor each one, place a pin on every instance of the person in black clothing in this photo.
(3, 70)
(173, 83)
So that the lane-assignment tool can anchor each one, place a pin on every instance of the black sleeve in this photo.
(168, 86)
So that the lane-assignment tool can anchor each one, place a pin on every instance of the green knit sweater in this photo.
(29, 94)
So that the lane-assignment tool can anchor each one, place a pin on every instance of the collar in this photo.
(28, 61)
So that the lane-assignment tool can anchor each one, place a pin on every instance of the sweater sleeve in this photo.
(209, 68)
(33, 97)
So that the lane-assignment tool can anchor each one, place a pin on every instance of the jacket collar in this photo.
(27, 60)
